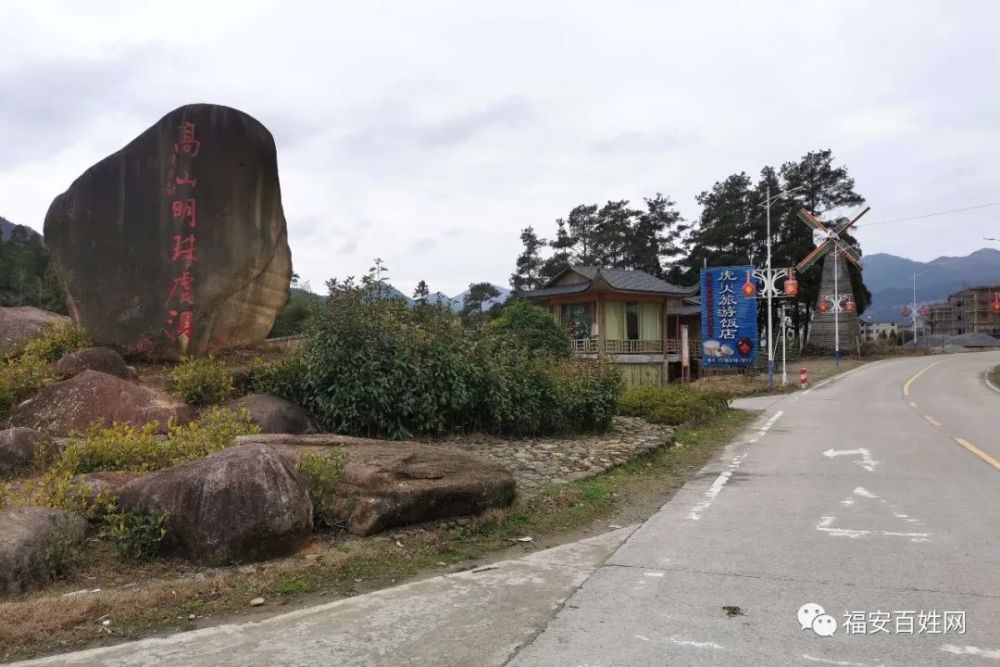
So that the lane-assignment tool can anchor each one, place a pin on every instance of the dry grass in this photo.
(161, 596)
(818, 368)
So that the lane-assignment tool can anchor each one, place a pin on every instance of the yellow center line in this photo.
(932, 420)
(912, 404)
(906, 387)
(978, 452)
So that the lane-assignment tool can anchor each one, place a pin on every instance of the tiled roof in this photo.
(624, 280)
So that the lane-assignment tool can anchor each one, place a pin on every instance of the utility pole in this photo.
(836, 308)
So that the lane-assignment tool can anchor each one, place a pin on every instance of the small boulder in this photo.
(17, 448)
(107, 483)
(91, 396)
(275, 415)
(243, 503)
(24, 322)
(33, 543)
(102, 359)
(388, 484)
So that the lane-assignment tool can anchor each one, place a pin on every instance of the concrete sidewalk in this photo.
(477, 617)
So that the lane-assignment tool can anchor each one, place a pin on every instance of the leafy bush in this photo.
(202, 381)
(139, 449)
(378, 368)
(136, 535)
(319, 474)
(55, 342)
(20, 378)
(673, 404)
(529, 328)
(278, 378)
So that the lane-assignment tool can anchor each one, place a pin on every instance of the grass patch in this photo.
(43, 622)
(995, 376)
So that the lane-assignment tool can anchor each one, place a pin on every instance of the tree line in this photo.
(27, 276)
(730, 230)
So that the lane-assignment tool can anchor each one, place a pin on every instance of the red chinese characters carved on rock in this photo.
(183, 208)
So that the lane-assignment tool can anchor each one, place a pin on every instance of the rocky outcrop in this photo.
(92, 396)
(387, 484)
(244, 503)
(101, 485)
(275, 415)
(34, 542)
(17, 448)
(177, 243)
(102, 359)
(25, 322)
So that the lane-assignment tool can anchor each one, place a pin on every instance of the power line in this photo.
(929, 215)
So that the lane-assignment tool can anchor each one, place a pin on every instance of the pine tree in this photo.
(528, 274)
(421, 293)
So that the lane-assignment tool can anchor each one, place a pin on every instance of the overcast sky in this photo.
(429, 133)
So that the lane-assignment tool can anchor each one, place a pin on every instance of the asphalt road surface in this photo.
(874, 496)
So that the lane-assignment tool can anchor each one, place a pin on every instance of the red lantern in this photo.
(791, 285)
(996, 303)
(748, 289)
(924, 311)
(906, 311)
(823, 307)
(850, 305)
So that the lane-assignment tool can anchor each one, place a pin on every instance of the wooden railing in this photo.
(673, 346)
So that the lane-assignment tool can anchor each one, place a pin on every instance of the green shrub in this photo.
(996, 376)
(55, 342)
(278, 378)
(319, 474)
(139, 449)
(136, 535)
(20, 378)
(202, 381)
(529, 329)
(673, 404)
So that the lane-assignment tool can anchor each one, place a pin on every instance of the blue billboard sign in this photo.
(728, 317)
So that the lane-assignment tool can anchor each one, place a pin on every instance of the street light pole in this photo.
(770, 339)
(836, 309)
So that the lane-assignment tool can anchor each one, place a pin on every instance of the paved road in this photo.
(907, 524)
(858, 495)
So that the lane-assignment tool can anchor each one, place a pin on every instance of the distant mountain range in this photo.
(455, 303)
(890, 280)
(7, 228)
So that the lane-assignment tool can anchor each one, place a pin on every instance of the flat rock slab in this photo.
(102, 359)
(32, 542)
(387, 484)
(177, 243)
(92, 396)
(243, 503)
(24, 322)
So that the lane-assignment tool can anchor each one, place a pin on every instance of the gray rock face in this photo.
(17, 448)
(24, 322)
(91, 396)
(275, 415)
(33, 542)
(388, 484)
(244, 503)
(177, 243)
(102, 359)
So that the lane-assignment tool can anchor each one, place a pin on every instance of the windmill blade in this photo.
(851, 222)
(850, 253)
(813, 257)
(813, 221)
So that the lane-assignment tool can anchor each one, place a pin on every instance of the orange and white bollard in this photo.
(804, 378)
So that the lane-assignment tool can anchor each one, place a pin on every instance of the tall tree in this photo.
(478, 294)
(562, 251)
(528, 274)
(655, 236)
(421, 293)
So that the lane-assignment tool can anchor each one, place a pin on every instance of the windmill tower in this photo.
(835, 322)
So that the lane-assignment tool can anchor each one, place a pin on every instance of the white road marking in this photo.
(825, 523)
(912, 404)
(932, 421)
(840, 663)
(972, 650)
(866, 462)
(653, 574)
(990, 384)
(720, 481)
(688, 642)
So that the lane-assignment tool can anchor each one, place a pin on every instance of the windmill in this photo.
(828, 325)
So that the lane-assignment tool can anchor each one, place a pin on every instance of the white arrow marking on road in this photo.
(866, 462)
(825, 524)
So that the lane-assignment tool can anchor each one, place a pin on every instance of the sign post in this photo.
(729, 336)
(685, 355)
